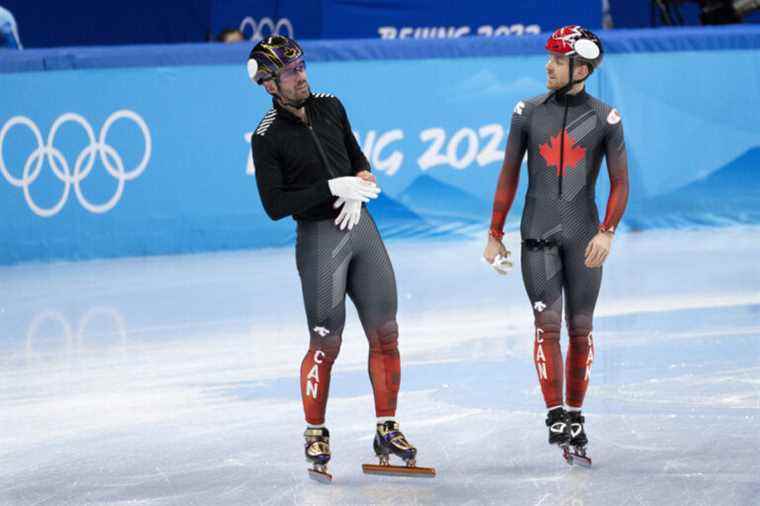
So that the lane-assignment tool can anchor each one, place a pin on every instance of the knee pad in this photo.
(579, 326)
(548, 325)
(385, 337)
(328, 346)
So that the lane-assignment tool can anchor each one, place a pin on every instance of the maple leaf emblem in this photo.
(572, 153)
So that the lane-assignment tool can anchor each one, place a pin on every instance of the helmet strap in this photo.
(570, 82)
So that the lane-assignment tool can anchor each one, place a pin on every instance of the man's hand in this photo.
(367, 176)
(498, 256)
(349, 215)
(353, 188)
(598, 249)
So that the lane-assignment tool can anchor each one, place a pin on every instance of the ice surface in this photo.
(173, 380)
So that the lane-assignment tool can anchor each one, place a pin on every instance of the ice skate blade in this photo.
(320, 476)
(406, 471)
(575, 459)
(580, 460)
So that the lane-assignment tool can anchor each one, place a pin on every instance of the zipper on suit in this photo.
(562, 151)
(321, 151)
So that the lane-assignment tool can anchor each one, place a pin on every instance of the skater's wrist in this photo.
(496, 235)
(607, 230)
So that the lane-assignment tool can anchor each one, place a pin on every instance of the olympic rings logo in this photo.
(83, 165)
(73, 336)
(257, 29)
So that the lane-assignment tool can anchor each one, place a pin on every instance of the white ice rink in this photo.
(173, 381)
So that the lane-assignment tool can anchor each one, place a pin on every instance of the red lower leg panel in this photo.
(547, 356)
(384, 367)
(580, 356)
(315, 383)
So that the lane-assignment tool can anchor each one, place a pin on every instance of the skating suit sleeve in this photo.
(617, 167)
(278, 199)
(510, 169)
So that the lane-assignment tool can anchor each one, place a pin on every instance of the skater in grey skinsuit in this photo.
(309, 166)
(566, 134)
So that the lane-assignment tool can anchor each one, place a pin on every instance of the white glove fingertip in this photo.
(502, 265)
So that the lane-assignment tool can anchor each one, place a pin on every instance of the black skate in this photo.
(317, 451)
(389, 440)
(575, 453)
(559, 429)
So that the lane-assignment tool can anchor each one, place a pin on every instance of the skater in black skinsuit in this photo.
(309, 165)
(566, 133)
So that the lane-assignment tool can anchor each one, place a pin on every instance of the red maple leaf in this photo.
(551, 152)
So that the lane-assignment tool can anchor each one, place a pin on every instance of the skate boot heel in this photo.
(382, 453)
(317, 452)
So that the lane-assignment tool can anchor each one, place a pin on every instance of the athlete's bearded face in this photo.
(558, 68)
(293, 86)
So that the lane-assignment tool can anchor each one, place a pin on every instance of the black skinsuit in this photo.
(294, 161)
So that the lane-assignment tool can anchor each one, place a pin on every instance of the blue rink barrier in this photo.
(145, 150)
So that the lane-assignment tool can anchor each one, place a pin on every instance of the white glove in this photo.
(349, 215)
(502, 264)
(353, 188)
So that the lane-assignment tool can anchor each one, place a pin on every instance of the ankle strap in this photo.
(320, 432)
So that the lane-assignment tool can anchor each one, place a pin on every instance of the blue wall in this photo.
(46, 23)
(689, 110)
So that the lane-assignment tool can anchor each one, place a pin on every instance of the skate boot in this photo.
(578, 434)
(317, 451)
(575, 453)
(559, 429)
(389, 440)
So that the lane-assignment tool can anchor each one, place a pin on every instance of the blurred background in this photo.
(151, 322)
(429, 86)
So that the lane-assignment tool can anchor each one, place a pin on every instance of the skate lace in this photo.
(397, 439)
(400, 441)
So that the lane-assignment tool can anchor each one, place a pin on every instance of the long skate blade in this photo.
(320, 476)
(406, 471)
(580, 460)
(575, 459)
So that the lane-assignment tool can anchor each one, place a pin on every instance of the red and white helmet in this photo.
(576, 42)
